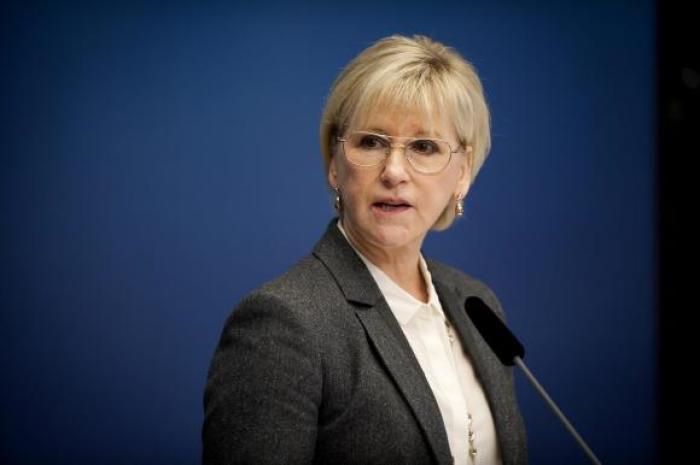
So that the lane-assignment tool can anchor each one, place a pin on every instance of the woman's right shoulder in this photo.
(304, 291)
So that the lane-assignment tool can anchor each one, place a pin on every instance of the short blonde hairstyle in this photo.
(416, 72)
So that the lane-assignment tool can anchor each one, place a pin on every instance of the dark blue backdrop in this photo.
(161, 160)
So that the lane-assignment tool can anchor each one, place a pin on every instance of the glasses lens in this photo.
(366, 149)
(428, 155)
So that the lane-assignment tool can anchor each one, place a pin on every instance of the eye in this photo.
(371, 142)
(425, 147)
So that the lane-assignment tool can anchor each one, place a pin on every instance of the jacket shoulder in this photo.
(306, 294)
(300, 284)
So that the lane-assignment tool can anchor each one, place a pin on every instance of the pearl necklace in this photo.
(470, 431)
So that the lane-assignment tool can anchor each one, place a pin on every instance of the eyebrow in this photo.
(419, 133)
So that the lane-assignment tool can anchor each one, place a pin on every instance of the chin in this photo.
(392, 235)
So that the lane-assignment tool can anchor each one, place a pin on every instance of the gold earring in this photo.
(459, 208)
(338, 203)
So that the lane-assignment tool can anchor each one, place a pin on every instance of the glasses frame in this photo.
(403, 146)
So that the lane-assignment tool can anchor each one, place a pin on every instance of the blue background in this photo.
(159, 161)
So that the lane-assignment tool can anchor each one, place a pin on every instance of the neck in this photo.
(401, 264)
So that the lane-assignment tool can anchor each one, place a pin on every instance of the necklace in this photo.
(470, 430)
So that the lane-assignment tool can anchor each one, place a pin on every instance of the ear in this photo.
(333, 173)
(465, 173)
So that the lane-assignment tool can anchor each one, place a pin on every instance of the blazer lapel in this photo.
(489, 370)
(406, 373)
(385, 335)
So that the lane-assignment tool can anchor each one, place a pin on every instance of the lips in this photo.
(391, 205)
(392, 202)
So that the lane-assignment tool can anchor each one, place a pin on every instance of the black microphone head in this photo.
(494, 331)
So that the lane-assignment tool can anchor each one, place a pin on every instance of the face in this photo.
(391, 206)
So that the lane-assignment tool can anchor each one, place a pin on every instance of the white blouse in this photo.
(449, 372)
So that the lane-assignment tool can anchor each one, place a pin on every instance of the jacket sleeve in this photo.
(263, 389)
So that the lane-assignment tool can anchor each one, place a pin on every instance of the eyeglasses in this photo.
(426, 155)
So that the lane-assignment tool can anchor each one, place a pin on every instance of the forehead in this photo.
(403, 120)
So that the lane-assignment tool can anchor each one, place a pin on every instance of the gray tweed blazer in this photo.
(314, 368)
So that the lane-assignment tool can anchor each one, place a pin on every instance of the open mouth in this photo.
(391, 207)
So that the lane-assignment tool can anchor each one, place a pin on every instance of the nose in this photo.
(395, 168)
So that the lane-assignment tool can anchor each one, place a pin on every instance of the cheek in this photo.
(444, 186)
(439, 198)
(451, 181)
(354, 183)
(440, 191)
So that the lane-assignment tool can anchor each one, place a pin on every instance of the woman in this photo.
(362, 352)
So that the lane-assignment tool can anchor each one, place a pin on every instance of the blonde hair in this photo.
(410, 73)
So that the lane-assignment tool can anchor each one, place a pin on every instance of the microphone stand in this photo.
(518, 361)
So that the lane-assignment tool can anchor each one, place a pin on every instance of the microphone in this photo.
(511, 352)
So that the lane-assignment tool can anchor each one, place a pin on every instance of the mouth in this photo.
(391, 206)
